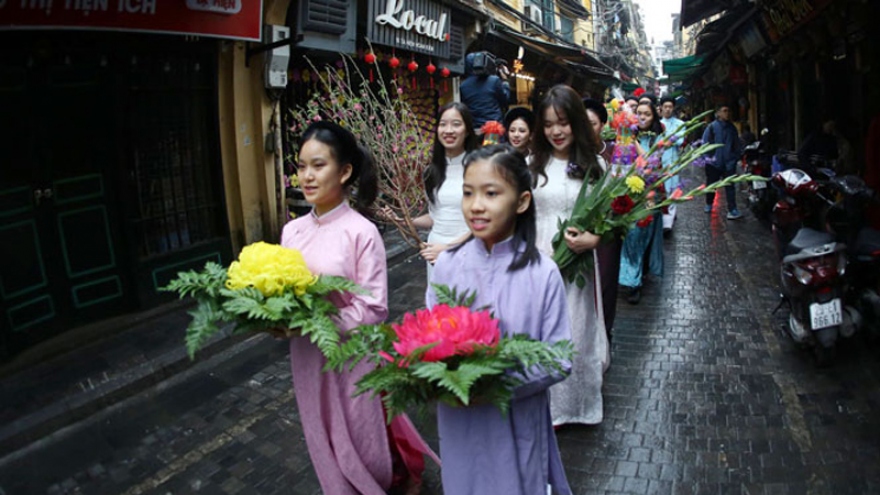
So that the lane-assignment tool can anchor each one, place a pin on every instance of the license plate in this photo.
(759, 184)
(826, 315)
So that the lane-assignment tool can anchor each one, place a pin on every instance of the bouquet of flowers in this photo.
(630, 194)
(450, 354)
(269, 288)
(492, 132)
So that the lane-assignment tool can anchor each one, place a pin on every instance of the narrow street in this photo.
(705, 394)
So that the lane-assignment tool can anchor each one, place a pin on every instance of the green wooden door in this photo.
(59, 254)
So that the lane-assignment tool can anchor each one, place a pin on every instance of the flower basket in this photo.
(269, 289)
(449, 354)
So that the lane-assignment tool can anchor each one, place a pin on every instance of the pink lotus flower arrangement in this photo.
(449, 353)
(446, 332)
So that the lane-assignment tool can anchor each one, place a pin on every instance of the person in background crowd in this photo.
(519, 123)
(607, 253)
(645, 239)
(453, 139)
(485, 94)
(483, 451)
(352, 450)
(598, 117)
(673, 133)
(722, 132)
(824, 143)
(746, 136)
(632, 101)
(566, 155)
(648, 98)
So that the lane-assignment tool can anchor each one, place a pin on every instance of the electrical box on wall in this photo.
(277, 59)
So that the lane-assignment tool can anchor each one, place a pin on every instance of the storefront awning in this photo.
(693, 11)
(679, 69)
(717, 33)
(570, 55)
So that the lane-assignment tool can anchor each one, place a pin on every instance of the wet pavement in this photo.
(705, 394)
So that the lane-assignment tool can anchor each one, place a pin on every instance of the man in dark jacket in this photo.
(486, 94)
(722, 132)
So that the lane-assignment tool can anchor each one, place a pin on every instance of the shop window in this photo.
(173, 163)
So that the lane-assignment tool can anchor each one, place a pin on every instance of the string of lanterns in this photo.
(371, 59)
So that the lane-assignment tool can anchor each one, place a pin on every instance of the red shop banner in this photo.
(235, 19)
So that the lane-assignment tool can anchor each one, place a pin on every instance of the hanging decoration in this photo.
(394, 63)
(370, 59)
(430, 69)
(413, 66)
(444, 73)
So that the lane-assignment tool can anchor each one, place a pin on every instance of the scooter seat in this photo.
(867, 241)
(807, 238)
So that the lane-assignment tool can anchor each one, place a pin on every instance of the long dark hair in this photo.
(656, 125)
(566, 102)
(511, 164)
(435, 175)
(346, 149)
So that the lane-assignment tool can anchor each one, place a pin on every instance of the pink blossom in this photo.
(400, 91)
(453, 331)
(676, 194)
(359, 107)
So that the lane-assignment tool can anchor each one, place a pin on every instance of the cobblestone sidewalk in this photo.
(704, 396)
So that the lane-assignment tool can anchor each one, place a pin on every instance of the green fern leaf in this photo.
(322, 332)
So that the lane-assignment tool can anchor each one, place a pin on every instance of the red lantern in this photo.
(370, 58)
(444, 73)
(394, 62)
(412, 67)
(430, 69)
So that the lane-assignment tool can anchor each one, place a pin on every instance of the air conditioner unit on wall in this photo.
(534, 13)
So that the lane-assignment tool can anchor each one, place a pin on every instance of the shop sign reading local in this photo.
(416, 25)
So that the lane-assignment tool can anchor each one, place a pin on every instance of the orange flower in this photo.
(453, 331)
(492, 127)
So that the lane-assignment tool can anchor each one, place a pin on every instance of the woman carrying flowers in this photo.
(566, 154)
(607, 253)
(646, 238)
(483, 451)
(454, 137)
(351, 449)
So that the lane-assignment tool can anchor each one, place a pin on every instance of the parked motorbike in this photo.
(846, 220)
(757, 160)
(812, 266)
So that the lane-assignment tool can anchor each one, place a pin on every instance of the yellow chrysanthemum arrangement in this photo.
(270, 268)
(269, 289)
